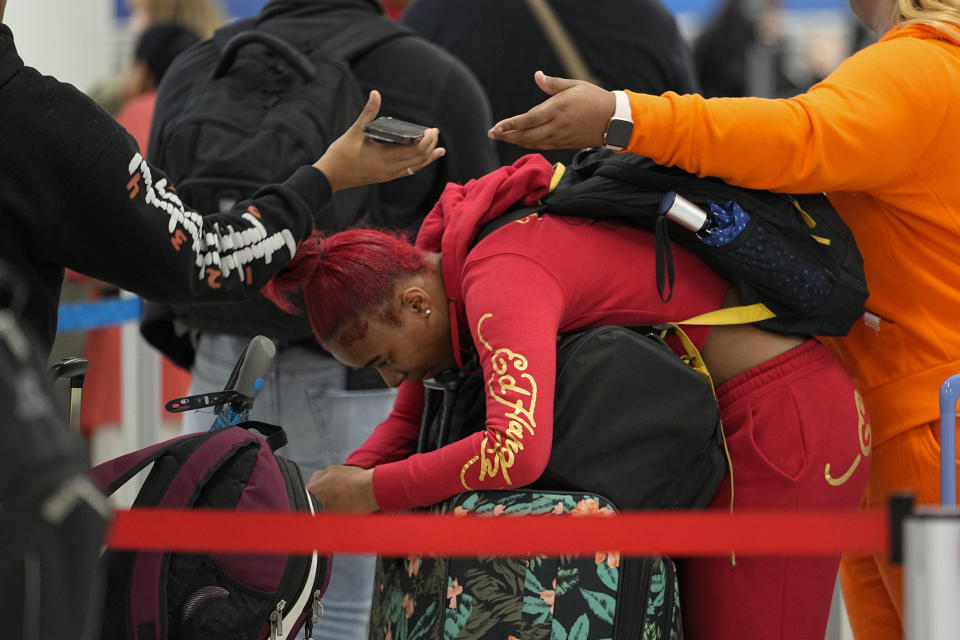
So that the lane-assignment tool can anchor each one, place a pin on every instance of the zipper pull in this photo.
(317, 607)
(276, 621)
(314, 617)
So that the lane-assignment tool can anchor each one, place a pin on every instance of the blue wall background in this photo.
(703, 7)
(235, 7)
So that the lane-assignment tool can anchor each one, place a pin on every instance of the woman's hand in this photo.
(341, 488)
(353, 159)
(575, 116)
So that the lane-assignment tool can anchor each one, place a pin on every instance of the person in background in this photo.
(156, 49)
(201, 17)
(76, 192)
(101, 418)
(128, 96)
(394, 8)
(104, 211)
(787, 406)
(742, 52)
(874, 135)
(325, 409)
(624, 43)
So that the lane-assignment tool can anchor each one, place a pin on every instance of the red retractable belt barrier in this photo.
(672, 533)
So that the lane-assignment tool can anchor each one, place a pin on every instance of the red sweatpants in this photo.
(799, 439)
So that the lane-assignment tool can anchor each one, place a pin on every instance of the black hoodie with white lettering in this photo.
(75, 192)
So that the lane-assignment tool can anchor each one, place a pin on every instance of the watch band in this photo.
(620, 128)
(622, 110)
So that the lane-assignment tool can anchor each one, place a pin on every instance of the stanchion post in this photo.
(932, 574)
(949, 393)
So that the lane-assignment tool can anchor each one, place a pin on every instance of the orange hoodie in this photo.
(880, 136)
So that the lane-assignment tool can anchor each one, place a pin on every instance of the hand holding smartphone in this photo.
(394, 131)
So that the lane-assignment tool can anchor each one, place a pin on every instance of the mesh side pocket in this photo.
(777, 267)
(213, 606)
(201, 599)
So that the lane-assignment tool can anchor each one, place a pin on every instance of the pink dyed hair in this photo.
(344, 276)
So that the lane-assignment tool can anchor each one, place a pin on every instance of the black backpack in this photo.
(277, 97)
(795, 256)
(632, 421)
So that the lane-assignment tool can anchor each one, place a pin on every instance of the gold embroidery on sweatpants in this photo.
(866, 436)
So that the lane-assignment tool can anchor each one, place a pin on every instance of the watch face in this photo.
(618, 133)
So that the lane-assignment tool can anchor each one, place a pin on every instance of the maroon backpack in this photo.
(167, 596)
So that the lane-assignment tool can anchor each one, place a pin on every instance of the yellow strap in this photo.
(696, 361)
(811, 223)
(743, 314)
(693, 354)
(558, 170)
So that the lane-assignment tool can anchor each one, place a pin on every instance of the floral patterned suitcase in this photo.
(534, 598)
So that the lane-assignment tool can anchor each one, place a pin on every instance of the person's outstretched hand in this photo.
(574, 116)
(343, 488)
(353, 159)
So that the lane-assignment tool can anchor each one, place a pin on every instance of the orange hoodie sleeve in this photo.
(867, 123)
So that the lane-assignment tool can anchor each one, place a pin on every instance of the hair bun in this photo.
(283, 287)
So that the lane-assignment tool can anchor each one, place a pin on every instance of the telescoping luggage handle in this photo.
(232, 405)
(949, 394)
(74, 369)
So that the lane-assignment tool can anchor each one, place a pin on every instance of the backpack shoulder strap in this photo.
(517, 213)
(113, 474)
(503, 220)
(743, 314)
(361, 34)
(563, 45)
(341, 34)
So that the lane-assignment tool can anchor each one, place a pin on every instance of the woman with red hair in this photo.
(412, 312)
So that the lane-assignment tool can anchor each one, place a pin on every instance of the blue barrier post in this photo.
(949, 393)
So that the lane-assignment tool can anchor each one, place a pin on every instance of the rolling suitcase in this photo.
(536, 597)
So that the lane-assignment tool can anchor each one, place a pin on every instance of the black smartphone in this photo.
(394, 131)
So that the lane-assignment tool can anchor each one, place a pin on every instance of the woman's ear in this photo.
(415, 299)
